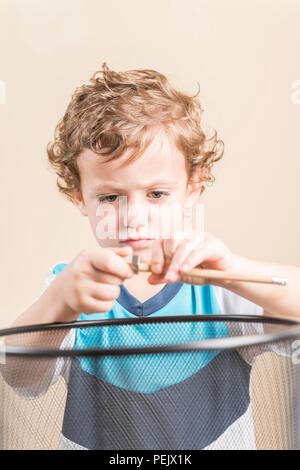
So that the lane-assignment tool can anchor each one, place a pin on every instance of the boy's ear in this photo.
(193, 191)
(79, 202)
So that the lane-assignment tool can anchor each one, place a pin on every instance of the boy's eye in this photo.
(159, 194)
(114, 197)
(109, 198)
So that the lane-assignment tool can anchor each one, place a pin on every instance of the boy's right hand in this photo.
(91, 282)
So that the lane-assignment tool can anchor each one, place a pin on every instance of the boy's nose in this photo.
(134, 217)
(134, 223)
(136, 212)
(137, 224)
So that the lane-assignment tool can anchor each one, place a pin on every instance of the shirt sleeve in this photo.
(51, 375)
(62, 365)
(233, 304)
(51, 275)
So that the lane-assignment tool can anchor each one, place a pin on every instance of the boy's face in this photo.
(135, 203)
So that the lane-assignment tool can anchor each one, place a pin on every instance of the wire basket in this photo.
(160, 383)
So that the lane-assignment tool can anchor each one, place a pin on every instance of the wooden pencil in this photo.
(198, 276)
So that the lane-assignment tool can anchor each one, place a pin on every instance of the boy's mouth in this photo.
(137, 242)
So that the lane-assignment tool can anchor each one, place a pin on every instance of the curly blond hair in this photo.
(117, 111)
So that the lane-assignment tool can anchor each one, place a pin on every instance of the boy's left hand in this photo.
(171, 257)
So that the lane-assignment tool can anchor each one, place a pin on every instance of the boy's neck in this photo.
(139, 287)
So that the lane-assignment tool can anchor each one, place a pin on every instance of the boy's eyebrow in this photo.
(106, 187)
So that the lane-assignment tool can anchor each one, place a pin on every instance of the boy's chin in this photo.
(109, 243)
(139, 247)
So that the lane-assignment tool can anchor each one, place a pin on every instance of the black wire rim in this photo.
(292, 331)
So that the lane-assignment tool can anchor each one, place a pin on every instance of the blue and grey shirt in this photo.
(162, 402)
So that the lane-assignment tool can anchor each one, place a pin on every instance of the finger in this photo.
(196, 257)
(169, 247)
(157, 257)
(106, 278)
(161, 255)
(109, 261)
(123, 250)
(164, 251)
(181, 253)
(157, 278)
(97, 306)
(104, 291)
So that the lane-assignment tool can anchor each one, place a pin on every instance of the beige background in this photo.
(245, 55)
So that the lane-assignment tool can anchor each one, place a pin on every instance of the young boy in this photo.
(131, 136)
